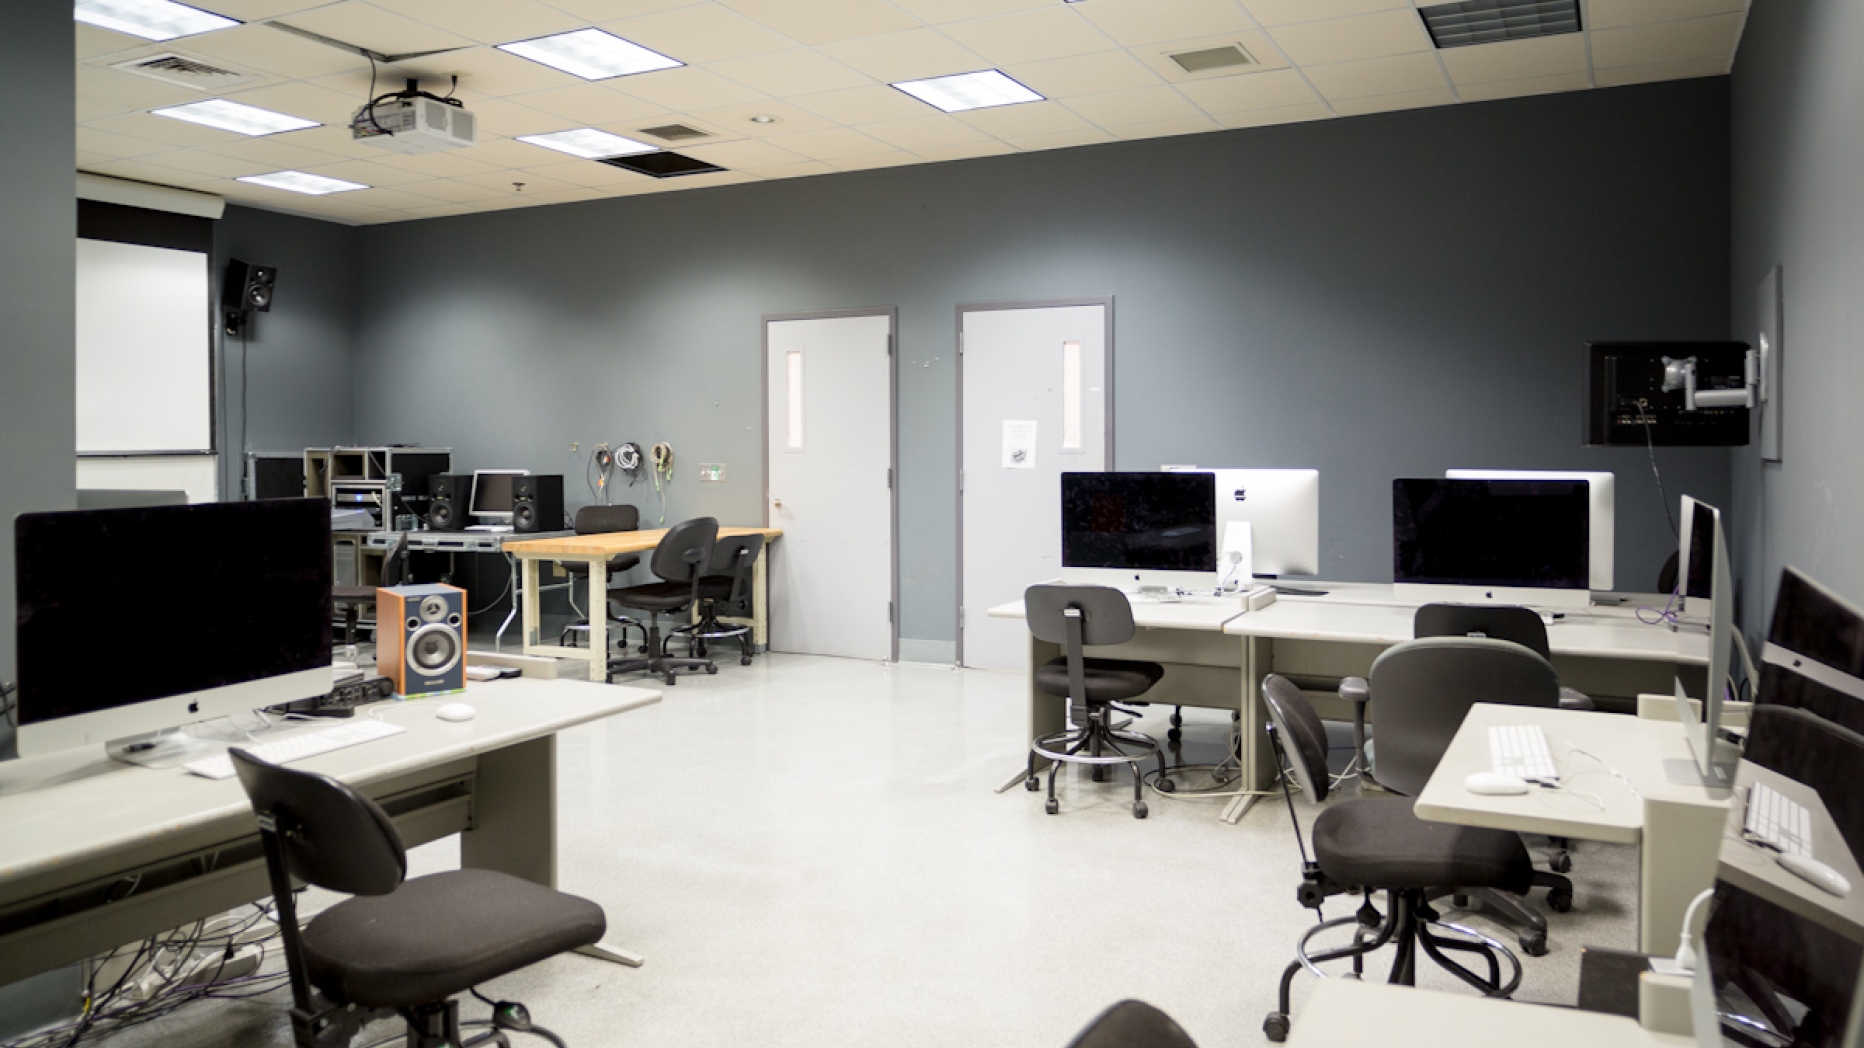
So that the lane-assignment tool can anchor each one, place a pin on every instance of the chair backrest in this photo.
(685, 550)
(1499, 621)
(734, 557)
(1302, 735)
(1106, 614)
(331, 836)
(1133, 1024)
(600, 520)
(1422, 689)
(395, 565)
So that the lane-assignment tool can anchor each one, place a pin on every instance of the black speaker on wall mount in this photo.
(248, 290)
(537, 503)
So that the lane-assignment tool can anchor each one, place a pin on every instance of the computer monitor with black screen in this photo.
(1768, 976)
(1603, 526)
(1148, 533)
(133, 622)
(492, 494)
(1492, 541)
(1707, 581)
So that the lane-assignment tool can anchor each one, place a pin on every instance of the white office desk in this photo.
(1342, 1013)
(1678, 828)
(94, 854)
(1753, 869)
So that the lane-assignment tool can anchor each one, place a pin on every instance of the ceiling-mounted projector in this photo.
(413, 121)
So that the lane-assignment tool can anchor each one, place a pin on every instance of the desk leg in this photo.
(1257, 771)
(529, 626)
(760, 601)
(1047, 713)
(514, 822)
(1677, 858)
(598, 618)
(517, 600)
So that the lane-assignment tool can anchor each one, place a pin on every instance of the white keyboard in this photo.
(299, 746)
(1777, 822)
(1521, 750)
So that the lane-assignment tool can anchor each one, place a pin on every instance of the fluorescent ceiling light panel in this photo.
(149, 19)
(232, 116)
(588, 143)
(980, 90)
(299, 182)
(591, 54)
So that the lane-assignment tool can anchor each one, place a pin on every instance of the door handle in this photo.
(777, 503)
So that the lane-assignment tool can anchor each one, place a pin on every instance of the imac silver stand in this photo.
(168, 748)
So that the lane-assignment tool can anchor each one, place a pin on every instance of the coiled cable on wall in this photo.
(663, 474)
(601, 464)
(628, 460)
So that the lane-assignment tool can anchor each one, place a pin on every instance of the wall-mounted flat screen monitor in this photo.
(1510, 541)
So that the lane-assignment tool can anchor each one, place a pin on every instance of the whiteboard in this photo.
(145, 376)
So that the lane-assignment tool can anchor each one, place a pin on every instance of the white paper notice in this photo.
(1019, 444)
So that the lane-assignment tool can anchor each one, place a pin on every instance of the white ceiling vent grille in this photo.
(1210, 59)
(676, 132)
(1492, 21)
(173, 67)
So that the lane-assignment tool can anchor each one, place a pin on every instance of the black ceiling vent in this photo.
(677, 132)
(1492, 21)
(662, 164)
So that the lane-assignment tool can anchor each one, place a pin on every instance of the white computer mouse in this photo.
(456, 711)
(1494, 784)
(1815, 873)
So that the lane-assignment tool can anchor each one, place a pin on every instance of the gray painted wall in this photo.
(1375, 297)
(1798, 148)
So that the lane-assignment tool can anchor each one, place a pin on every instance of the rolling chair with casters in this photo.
(603, 520)
(679, 562)
(1424, 688)
(1075, 617)
(352, 599)
(1132, 1024)
(397, 946)
(725, 588)
(1366, 845)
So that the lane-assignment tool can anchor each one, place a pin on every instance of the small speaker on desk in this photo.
(421, 638)
(449, 503)
(537, 503)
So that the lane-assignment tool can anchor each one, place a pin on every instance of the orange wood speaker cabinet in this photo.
(420, 638)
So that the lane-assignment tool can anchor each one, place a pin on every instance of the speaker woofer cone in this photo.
(433, 649)
(440, 514)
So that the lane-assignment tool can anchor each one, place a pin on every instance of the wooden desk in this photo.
(96, 853)
(1342, 1013)
(596, 551)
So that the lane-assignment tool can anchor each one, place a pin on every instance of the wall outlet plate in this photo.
(711, 472)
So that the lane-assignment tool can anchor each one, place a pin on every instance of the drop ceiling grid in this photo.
(808, 62)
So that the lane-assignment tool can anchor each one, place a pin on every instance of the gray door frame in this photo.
(892, 313)
(1105, 301)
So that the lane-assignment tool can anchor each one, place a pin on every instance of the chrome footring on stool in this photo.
(1056, 746)
(1470, 935)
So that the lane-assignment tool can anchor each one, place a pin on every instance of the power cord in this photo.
(1650, 445)
(8, 704)
(663, 474)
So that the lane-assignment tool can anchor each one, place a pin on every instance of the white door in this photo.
(1034, 389)
(829, 476)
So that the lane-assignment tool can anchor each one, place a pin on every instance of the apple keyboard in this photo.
(1779, 823)
(303, 744)
(1521, 750)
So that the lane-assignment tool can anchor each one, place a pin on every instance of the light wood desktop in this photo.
(596, 551)
(1753, 869)
(96, 853)
(1344, 1013)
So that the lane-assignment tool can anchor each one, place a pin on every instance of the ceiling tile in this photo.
(116, 147)
(1266, 90)
(454, 192)
(937, 12)
(1516, 59)
(272, 154)
(1056, 31)
(1284, 12)
(925, 132)
(390, 199)
(142, 171)
(336, 140)
(1136, 23)
(501, 182)
(88, 110)
(1191, 125)
(1144, 105)
(439, 165)
(176, 134)
(588, 104)
(820, 21)
(301, 99)
(1666, 42)
(875, 160)
(1085, 136)
(498, 116)
(787, 74)
(1277, 115)
(497, 22)
(737, 119)
(834, 144)
(1347, 39)
(1032, 118)
(1378, 76)
(1256, 45)
(610, 10)
(1083, 74)
(738, 156)
(1616, 14)
(706, 33)
(86, 158)
(276, 51)
(588, 173)
(93, 42)
(1688, 68)
(865, 105)
(1488, 90)
(913, 55)
(365, 25)
(206, 163)
(102, 84)
(1389, 103)
(369, 173)
(964, 151)
(807, 167)
(684, 90)
(253, 10)
(484, 72)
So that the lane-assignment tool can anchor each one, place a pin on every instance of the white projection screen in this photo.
(145, 376)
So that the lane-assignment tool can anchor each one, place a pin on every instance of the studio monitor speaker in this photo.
(449, 503)
(537, 503)
(249, 286)
(421, 638)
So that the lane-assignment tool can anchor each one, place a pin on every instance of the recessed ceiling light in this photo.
(591, 54)
(762, 118)
(299, 182)
(232, 116)
(588, 143)
(979, 90)
(149, 19)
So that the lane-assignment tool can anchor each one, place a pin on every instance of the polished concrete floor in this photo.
(810, 851)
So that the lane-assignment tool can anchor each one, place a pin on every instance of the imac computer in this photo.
(1603, 526)
(1770, 976)
(1492, 541)
(492, 494)
(1282, 508)
(134, 622)
(1707, 578)
(1146, 533)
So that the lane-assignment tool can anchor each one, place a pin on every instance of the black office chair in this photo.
(1076, 616)
(680, 562)
(1367, 845)
(352, 599)
(396, 946)
(1500, 621)
(1132, 1024)
(603, 520)
(725, 589)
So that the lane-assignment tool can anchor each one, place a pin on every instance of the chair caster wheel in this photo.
(712, 668)
(1032, 784)
(1561, 862)
(1099, 774)
(1174, 735)
(1140, 810)
(671, 680)
(1560, 900)
(744, 660)
(1166, 785)
(1053, 807)
(1534, 945)
(1275, 1027)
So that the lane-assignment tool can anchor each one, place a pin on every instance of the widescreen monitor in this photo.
(1492, 541)
(1602, 489)
(492, 494)
(1139, 531)
(1703, 553)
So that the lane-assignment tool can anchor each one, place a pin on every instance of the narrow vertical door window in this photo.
(793, 364)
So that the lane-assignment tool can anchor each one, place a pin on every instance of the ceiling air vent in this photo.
(676, 133)
(171, 67)
(1493, 21)
(662, 164)
(1207, 59)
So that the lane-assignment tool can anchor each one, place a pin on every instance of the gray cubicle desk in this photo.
(1678, 829)
(95, 854)
(1343, 1013)
(1753, 869)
